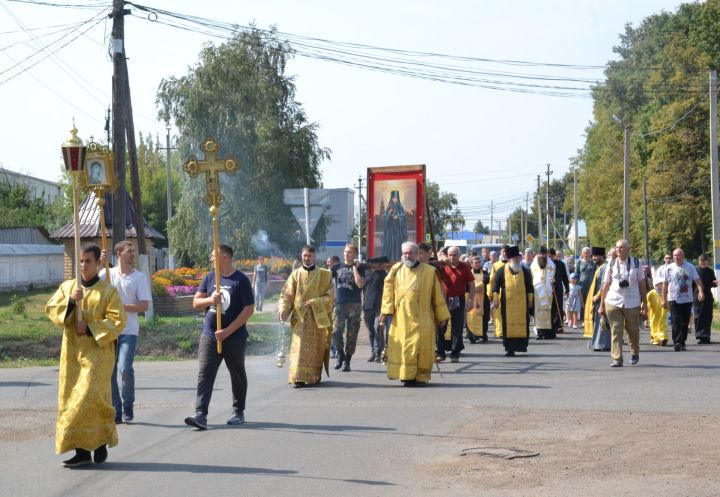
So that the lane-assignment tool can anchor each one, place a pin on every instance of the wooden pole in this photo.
(100, 201)
(216, 253)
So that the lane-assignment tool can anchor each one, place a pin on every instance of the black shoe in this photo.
(379, 359)
(339, 363)
(409, 383)
(616, 364)
(682, 347)
(371, 358)
(439, 358)
(454, 359)
(81, 458)
(100, 454)
(634, 359)
(663, 342)
(539, 337)
(198, 421)
(510, 353)
(299, 384)
(346, 367)
(677, 347)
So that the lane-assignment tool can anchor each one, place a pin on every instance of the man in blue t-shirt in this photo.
(349, 281)
(238, 304)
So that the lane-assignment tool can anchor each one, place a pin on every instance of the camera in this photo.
(624, 283)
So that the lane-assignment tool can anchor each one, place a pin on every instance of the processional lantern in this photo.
(74, 151)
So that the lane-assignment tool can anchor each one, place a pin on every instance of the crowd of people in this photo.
(417, 312)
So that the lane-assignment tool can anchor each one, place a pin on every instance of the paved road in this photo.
(357, 433)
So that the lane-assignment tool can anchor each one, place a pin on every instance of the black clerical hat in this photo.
(598, 251)
(512, 251)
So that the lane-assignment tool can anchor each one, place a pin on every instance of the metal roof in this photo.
(25, 235)
(7, 249)
(90, 220)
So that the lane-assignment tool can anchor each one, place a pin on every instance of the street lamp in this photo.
(73, 151)
(626, 179)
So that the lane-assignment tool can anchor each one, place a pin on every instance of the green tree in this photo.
(152, 168)
(20, 209)
(480, 228)
(658, 87)
(441, 205)
(239, 94)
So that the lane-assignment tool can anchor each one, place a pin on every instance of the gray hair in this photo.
(411, 245)
(586, 249)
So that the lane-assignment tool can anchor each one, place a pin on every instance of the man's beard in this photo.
(542, 263)
(408, 262)
(514, 266)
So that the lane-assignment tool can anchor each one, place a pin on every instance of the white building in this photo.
(46, 190)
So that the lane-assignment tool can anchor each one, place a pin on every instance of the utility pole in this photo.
(168, 185)
(575, 214)
(626, 186)
(539, 214)
(547, 204)
(491, 220)
(714, 182)
(527, 214)
(645, 219)
(359, 221)
(119, 114)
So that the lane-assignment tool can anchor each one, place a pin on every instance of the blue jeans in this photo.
(260, 295)
(124, 365)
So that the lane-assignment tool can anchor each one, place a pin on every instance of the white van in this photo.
(457, 243)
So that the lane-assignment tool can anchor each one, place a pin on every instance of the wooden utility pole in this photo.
(119, 117)
(714, 180)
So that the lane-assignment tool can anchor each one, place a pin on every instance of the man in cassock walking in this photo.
(86, 417)
(307, 299)
(595, 325)
(495, 268)
(543, 272)
(513, 294)
(413, 298)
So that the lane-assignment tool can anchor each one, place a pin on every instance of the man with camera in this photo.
(624, 295)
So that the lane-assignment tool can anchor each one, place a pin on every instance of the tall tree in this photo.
(441, 206)
(239, 93)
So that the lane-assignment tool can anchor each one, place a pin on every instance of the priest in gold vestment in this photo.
(86, 418)
(413, 298)
(513, 294)
(497, 267)
(307, 299)
(474, 320)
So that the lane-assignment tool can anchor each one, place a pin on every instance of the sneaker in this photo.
(100, 454)
(440, 358)
(454, 359)
(129, 415)
(371, 358)
(236, 419)
(634, 359)
(616, 364)
(81, 458)
(346, 367)
(198, 421)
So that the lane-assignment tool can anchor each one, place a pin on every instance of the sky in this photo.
(484, 145)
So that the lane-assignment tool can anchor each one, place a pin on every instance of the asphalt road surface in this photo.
(360, 434)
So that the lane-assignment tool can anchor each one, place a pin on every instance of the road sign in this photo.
(317, 202)
(530, 238)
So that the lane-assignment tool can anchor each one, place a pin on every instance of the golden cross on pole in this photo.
(212, 167)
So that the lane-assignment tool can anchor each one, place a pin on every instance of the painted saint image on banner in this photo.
(394, 216)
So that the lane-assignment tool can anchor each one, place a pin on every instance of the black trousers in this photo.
(233, 352)
(457, 318)
(680, 314)
(486, 315)
(375, 337)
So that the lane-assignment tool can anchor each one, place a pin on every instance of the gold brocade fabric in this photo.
(475, 314)
(543, 286)
(86, 418)
(311, 328)
(515, 303)
(414, 298)
(588, 325)
(496, 313)
(657, 316)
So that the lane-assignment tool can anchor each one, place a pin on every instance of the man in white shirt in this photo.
(624, 295)
(677, 295)
(134, 290)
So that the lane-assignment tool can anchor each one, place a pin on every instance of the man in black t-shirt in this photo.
(238, 304)
(349, 281)
(372, 301)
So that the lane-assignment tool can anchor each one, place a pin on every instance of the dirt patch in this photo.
(584, 453)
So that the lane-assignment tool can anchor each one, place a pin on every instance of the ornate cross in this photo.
(212, 167)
